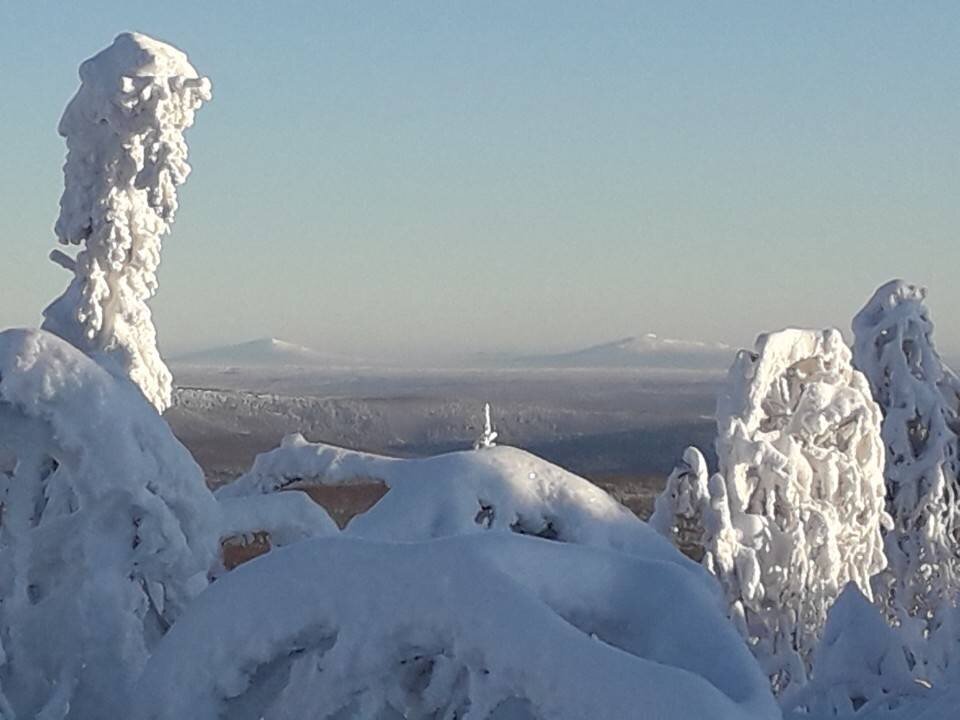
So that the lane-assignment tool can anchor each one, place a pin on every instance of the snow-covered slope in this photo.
(264, 352)
(493, 626)
(647, 351)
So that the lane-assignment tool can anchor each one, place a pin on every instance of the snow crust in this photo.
(126, 156)
(107, 531)
(479, 626)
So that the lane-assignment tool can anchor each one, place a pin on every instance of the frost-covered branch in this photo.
(126, 156)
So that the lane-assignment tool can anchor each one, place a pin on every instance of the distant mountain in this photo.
(265, 352)
(648, 351)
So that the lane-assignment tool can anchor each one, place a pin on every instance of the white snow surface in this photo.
(108, 530)
(288, 516)
(497, 488)
(126, 156)
(474, 627)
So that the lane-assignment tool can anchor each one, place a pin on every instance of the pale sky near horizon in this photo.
(414, 177)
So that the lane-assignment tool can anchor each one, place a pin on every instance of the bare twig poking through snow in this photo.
(796, 511)
(126, 156)
(919, 397)
(486, 440)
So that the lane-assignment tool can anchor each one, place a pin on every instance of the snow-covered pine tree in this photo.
(920, 400)
(488, 437)
(126, 157)
(797, 508)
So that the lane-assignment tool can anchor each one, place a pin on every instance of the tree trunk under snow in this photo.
(126, 156)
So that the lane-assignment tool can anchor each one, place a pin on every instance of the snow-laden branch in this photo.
(126, 156)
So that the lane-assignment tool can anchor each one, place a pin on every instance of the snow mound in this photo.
(107, 530)
(126, 155)
(491, 626)
(287, 516)
(497, 488)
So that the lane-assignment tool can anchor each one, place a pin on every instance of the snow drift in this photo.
(482, 626)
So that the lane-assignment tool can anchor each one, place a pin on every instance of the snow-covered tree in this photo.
(860, 666)
(797, 508)
(678, 509)
(489, 435)
(107, 532)
(126, 156)
(920, 400)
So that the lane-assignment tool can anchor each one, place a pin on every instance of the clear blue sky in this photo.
(400, 176)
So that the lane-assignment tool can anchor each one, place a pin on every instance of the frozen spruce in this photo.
(802, 466)
(678, 510)
(126, 155)
(796, 511)
(108, 531)
(920, 398)
(489, 435)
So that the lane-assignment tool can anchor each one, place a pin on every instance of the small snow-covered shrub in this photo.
(107, 531)
(797, 508)
(920, 400)
(126, 157)
(860, 666)
(473, 627)
(678, 509)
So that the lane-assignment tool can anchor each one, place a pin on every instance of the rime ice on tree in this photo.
(796, 511)
(920, 398)
(486, 440)
(126, 156)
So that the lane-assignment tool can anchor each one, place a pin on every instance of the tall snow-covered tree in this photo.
(920, 400)
(126, 156)
(796, 510)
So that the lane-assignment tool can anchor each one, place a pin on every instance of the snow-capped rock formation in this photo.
(920, 400)
(126, 156)
(108, 530)
(483, 626)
